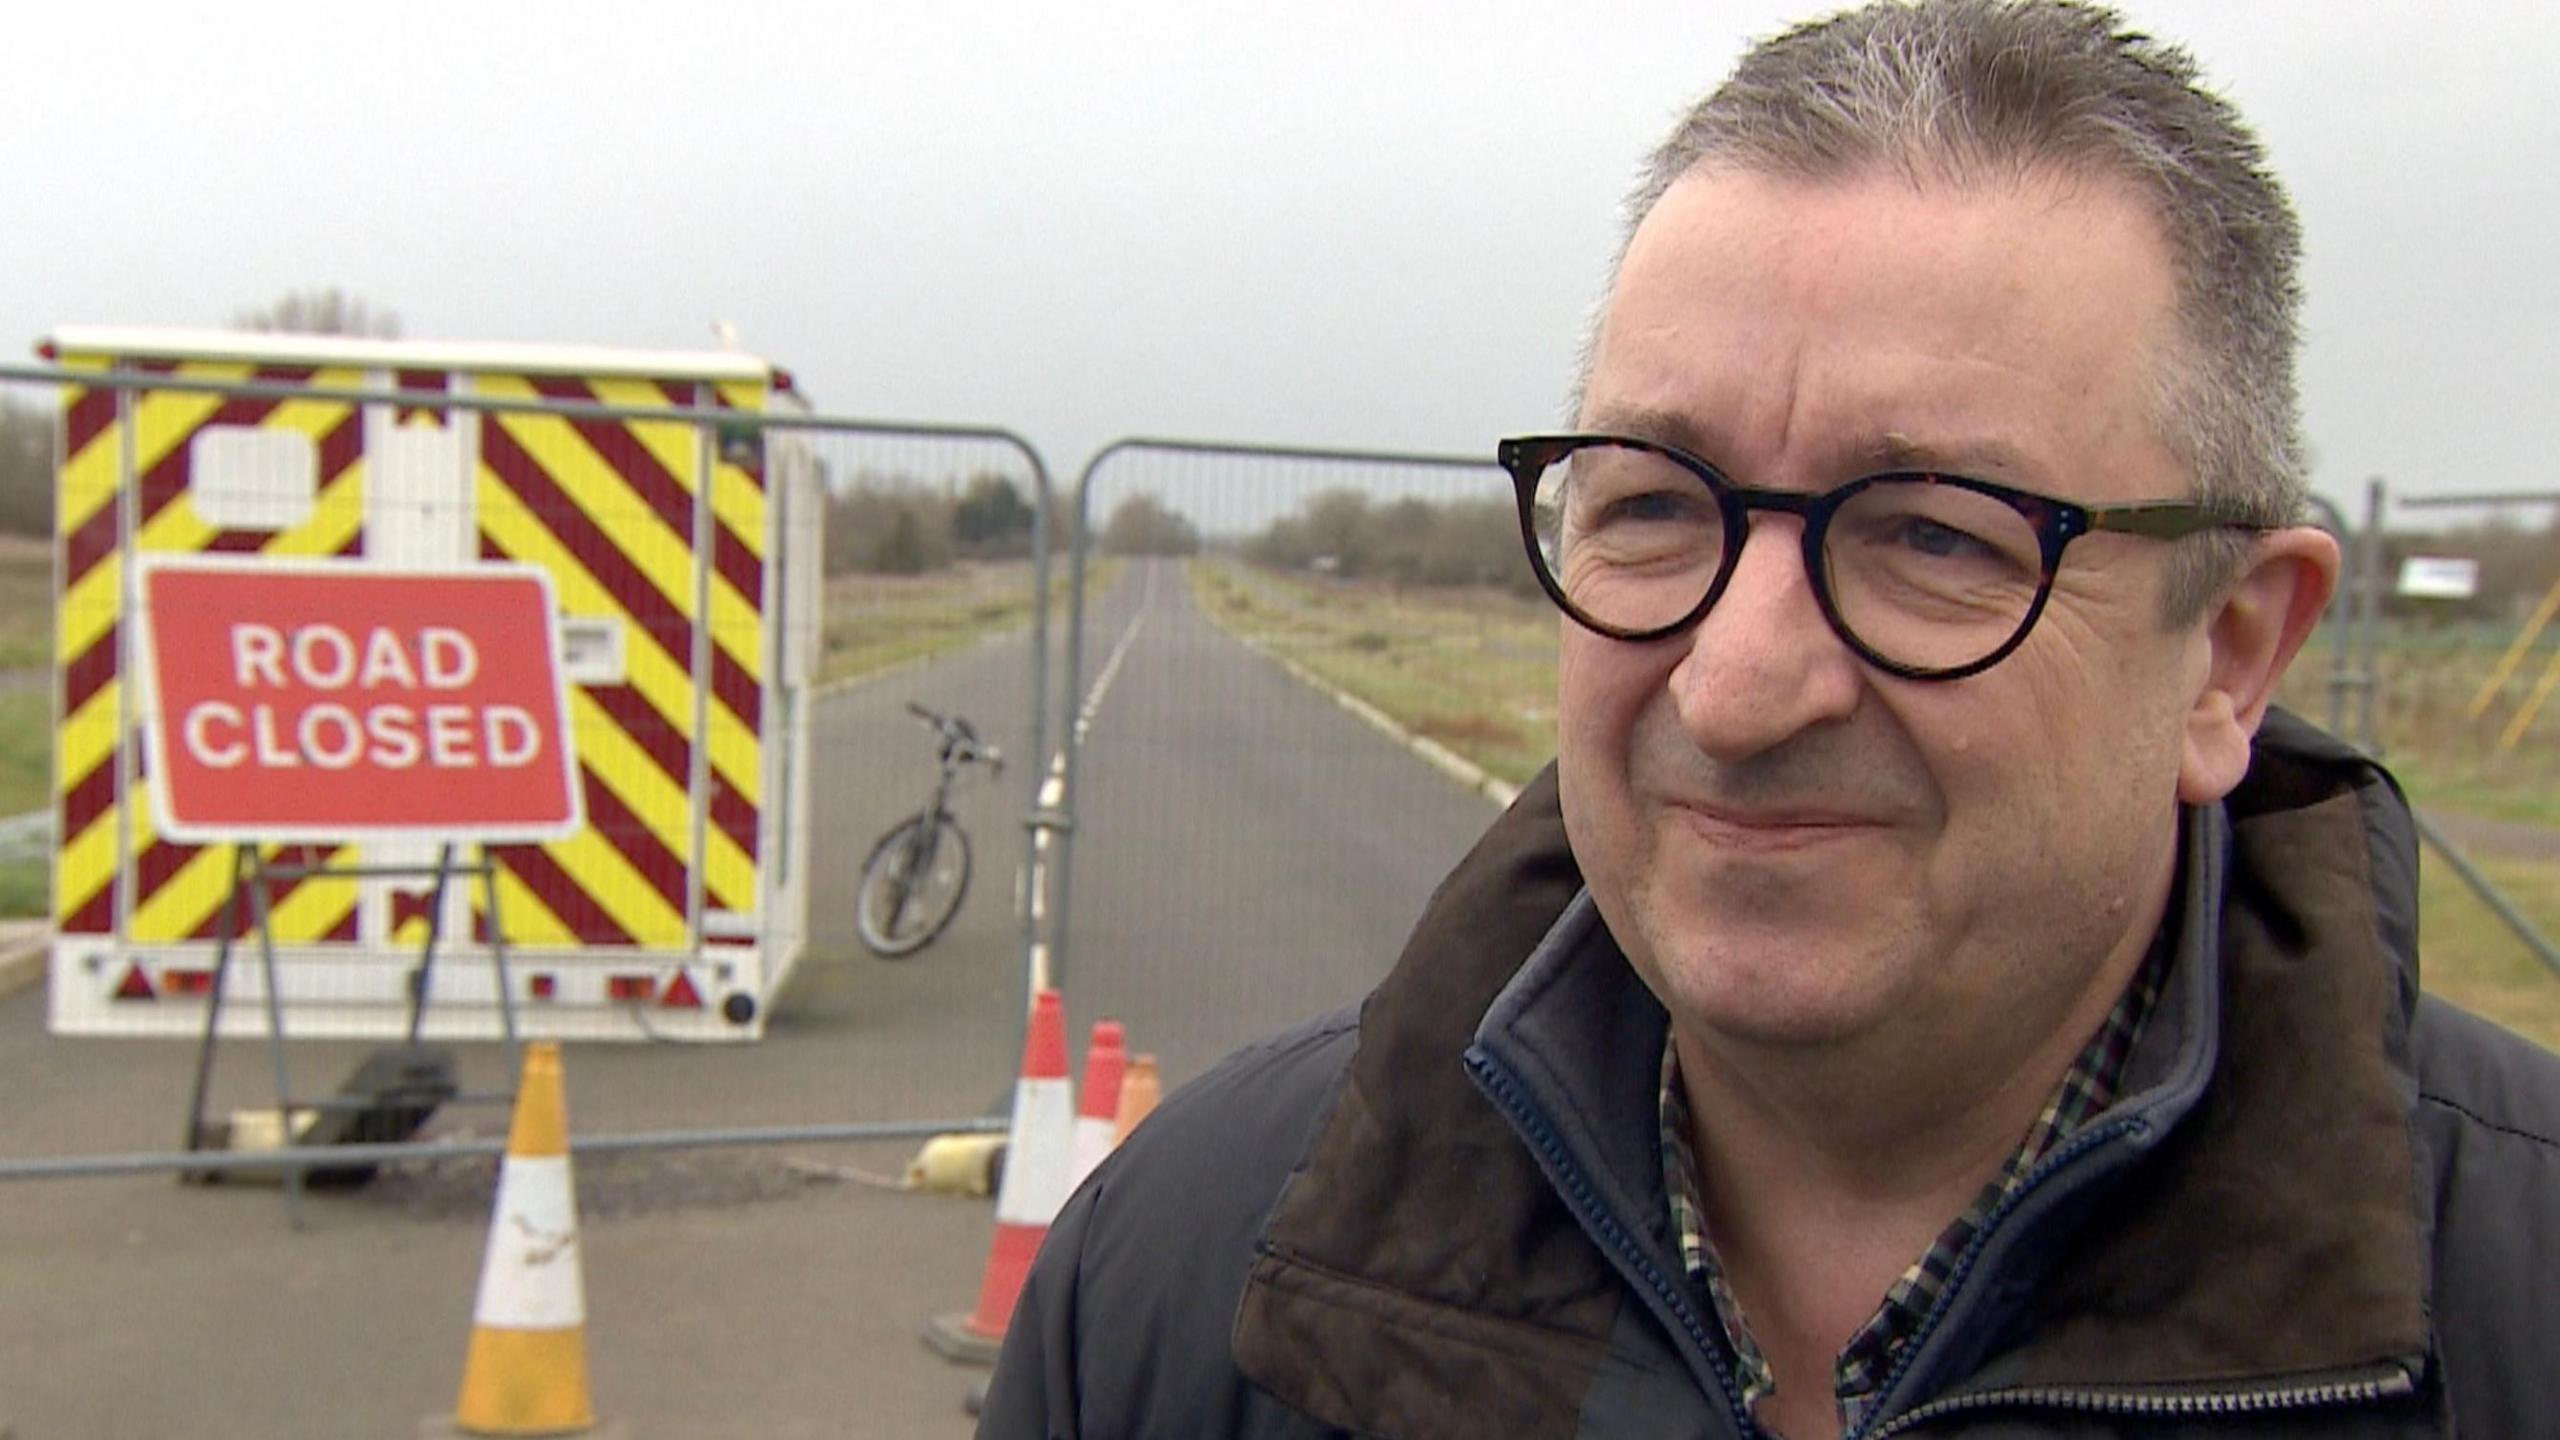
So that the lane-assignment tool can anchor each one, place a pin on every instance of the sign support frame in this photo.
(250, 874)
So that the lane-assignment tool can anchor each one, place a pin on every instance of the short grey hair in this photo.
(1966, 92)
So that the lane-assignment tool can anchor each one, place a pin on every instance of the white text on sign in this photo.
(388, 720)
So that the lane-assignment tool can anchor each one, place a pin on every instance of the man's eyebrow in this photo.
(1645, 422)
(1984, 456)
(1894, 450)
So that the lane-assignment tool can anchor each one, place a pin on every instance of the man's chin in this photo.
(1780, 989)
(1790, 1020)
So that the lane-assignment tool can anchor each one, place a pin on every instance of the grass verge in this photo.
(26, 603)
(1474, 670)
(2469, 956)
(26, 748)
(26, 888)
(875, 622)
(2446, 757)
(26, 774)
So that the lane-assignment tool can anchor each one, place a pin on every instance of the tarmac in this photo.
(767, 1291)
(175, 1311)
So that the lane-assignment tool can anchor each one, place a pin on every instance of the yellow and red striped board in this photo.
(658, 532)
(610, 509)
(176, 892)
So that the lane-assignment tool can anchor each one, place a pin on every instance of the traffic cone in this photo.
(1037, 1158)
(1098, 1103)
(526, 1373)
(1140, 1089)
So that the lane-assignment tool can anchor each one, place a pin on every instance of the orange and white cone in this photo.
(1097, 1126)
(1036, 1166)
(1140, 1089)
(526, 1373)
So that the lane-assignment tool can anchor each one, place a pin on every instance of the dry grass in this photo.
(2424, 728)
(1472, 669)
(26, 603)
(2453, 763)
(2469, 956)
(877, 621)
(26, 699)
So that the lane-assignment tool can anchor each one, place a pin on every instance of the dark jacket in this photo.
(2323, 1206)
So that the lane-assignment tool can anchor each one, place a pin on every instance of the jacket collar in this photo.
(2272, 1229)
(2252, 1217)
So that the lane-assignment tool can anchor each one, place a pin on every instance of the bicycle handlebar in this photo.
(959, 738)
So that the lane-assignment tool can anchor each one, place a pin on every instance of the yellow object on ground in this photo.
(526, 1373)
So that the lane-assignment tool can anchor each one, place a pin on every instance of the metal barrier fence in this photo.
(1252, 836)
(718, 718)
(1317, 671)
(2444, 700)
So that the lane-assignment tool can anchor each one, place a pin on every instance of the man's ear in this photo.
(2253, 633)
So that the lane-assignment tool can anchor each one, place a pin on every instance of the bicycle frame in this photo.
(897, 871)
(920, 836)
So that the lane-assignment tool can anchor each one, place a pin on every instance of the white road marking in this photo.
(1110, 671)
(1053, 791)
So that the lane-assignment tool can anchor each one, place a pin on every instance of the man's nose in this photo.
(1764, 665)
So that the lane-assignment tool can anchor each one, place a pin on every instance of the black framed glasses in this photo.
(1924, 575)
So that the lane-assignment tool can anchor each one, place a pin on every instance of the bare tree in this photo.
(1145, 525)
(321, 310)
(887, 525)
(1409, 541)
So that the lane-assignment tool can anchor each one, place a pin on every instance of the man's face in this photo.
(1796, 848)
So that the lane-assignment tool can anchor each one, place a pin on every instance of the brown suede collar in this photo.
(1421, 1260)
(1420, 1257)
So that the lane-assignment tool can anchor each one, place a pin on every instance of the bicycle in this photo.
(913, 883)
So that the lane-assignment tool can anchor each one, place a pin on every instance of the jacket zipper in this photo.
(2389, 1382)
(2078, 1145)
(1533, 1124)
(2392, 1382)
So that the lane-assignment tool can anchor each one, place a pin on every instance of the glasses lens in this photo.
(1632, 538)
(1930, 574)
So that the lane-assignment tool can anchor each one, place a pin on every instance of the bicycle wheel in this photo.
(911, 886)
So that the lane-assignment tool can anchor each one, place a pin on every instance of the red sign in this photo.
(336, 699)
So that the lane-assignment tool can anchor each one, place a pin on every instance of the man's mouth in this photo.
(1773, 827)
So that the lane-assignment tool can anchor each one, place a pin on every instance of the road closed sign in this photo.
(335, 700)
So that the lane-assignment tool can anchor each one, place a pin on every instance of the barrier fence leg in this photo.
(230, 923)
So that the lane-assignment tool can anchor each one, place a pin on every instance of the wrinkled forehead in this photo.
(1894, 317)
(1926, 176)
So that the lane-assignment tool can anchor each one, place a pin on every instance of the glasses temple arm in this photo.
(2164, 519)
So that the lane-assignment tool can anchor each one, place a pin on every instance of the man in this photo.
(1933, 993)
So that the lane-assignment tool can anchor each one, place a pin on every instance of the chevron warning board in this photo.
(651, 519)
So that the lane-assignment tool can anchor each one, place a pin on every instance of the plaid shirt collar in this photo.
(1864, 1365)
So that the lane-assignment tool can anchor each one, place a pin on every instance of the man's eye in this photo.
(1942, 542)
(1651, 506)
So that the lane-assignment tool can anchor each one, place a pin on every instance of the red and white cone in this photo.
(1098, 1102)
(1036, 1169)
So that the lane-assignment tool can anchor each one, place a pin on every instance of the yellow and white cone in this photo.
(526, 1373)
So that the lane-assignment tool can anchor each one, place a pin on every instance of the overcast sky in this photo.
(1319, 223)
